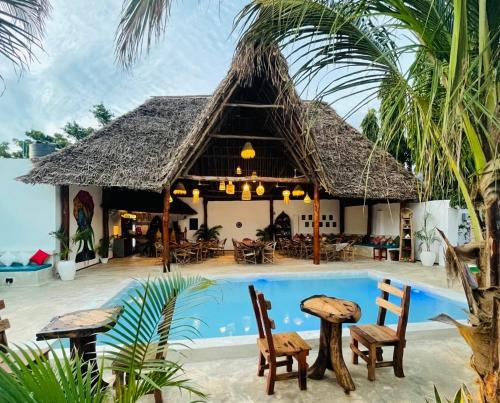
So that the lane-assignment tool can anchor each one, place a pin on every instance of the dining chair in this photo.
(374, 337)
(273, 346)
(268, 252)
(249, 254)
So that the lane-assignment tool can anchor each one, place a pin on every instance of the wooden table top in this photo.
(331, 309)
(80, 323)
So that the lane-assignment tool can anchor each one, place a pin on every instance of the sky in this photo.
(77, 68)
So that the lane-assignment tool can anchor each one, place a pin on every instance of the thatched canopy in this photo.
(185, 137)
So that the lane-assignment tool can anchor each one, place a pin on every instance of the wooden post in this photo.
(105, 223)
(166, 231)
(271, 211)
(205, 212)
(64, 198)
(316, 240)
(369, 219)
(341, 216)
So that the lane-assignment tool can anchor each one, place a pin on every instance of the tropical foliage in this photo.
(266, 234)
(206, 233)
(21, 30)
(427, 235)
(462, 396)
(64, 247)
(146, 329)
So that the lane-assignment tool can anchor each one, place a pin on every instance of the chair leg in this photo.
(271, 378)
(355, 358)
(372, 359)
(302, 361)
(380, 352)
(289, 363)
(261, 365)
(398, 361)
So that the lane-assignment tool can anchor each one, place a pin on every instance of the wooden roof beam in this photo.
(244, 179)
(243, 137)
(250, 105)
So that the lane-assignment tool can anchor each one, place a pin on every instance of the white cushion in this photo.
(23, 258)
(7, 258)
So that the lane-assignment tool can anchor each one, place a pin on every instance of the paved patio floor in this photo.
(228, 374)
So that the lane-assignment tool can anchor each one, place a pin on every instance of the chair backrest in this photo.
(270, 247)
(4, 325)
(401, 311)
(223, 243)
(264, 322)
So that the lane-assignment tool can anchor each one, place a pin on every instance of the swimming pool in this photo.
(228, 312)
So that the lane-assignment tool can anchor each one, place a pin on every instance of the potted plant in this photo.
(427, 237)
(65, 267)
(103, 250)
(206, 233)
(266, 234)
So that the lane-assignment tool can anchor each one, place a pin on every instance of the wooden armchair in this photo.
(249, 254)
(271, 347)
(374, 337)
(328, 252)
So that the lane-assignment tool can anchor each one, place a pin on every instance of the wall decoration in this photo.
(323, 217)
(193, 224)
(303, 217)
(83, 211)
(239, 224)
(327, 224)
(307, 224)
(330, 217)
(310, 217)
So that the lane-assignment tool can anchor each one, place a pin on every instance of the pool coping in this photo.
(235, 341)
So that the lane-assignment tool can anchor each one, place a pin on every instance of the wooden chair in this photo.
(271, 347)
(249, 254)
(374, 337)
(328, 252)
(268, 252)
(4, 326)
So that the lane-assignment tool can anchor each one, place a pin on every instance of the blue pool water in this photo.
(228, 312)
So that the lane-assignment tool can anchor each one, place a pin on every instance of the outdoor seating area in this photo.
(250, 251)
(301, 247)
(187, 252)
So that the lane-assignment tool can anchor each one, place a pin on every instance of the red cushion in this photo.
(39, 257)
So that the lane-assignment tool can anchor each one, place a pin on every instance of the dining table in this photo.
(81, 328)
(333, 312)
(257, 247)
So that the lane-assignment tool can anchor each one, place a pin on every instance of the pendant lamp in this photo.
(298, 191)
(222, 186)
(180, 189)
(286, 196)
(238, 170)
(246, 194)
(247, 152)
(260, 189)
(230, 188)
(307, 199)
(196, 195)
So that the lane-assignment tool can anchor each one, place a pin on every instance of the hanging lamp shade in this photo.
(247, 152)
(260, 189)
(254, 176)
(222, 186)
(230, 188)
(307, 199)
(286, 196)
(246, 194)
(180, 189)
(196, 195)
(238, 170)
(298, 191)
(171, 199)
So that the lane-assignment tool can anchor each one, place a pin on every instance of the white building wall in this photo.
(355, 220)
(385, 219)
(184, 220)
(27, 213)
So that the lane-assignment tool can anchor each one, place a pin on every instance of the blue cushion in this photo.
(20, 268)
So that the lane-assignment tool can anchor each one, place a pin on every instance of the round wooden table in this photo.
(81, 328)
(333, 313)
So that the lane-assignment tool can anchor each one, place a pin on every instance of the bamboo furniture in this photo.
(268, 252)
(333, 313)
(81, 328)
(407, 241)
(273, 346)
(374, 337)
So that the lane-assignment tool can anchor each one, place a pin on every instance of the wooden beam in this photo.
(271, 211)
(166, 231)
(243, 137)
(341, 216)
(244, 179)
(105, 223)
(64, 198)
(205, 212)
(316, 240)
(250, 105)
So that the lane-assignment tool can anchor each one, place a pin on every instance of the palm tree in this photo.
(445, 104)
(22, 24)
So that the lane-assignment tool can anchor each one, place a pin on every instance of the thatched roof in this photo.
(149, 147)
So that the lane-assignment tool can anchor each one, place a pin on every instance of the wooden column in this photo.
(369, 219)
(64, 198)
(271, 211)
(105, 222)
(205, 212)
(341, 216)
(316, 240)
(166, 231)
